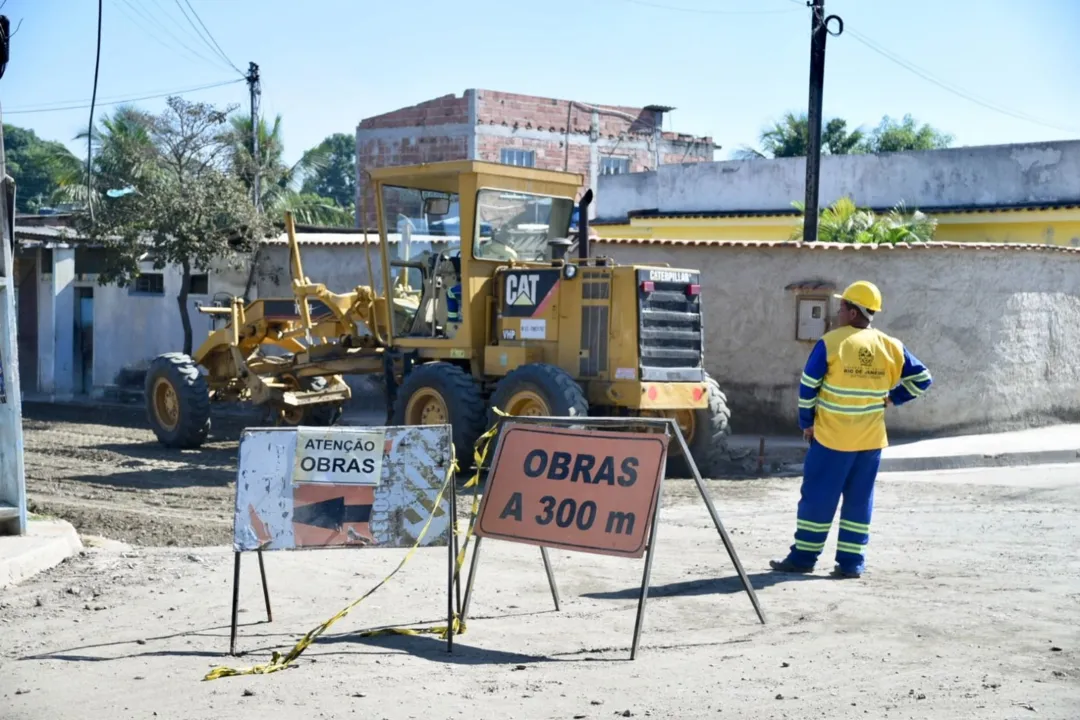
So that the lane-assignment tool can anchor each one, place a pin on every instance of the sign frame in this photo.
(449, 500)
(673, 432)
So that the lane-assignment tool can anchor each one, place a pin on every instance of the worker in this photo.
(453, 304)
(853, 373)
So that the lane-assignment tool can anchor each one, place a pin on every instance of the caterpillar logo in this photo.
(521, 289)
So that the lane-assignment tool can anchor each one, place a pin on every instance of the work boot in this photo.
(839, 572)
(786, 566)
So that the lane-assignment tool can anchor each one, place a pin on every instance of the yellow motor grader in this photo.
(506, 312)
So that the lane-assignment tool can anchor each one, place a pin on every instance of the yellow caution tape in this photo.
(281, 662)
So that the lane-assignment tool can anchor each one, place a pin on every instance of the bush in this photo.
(843, 222)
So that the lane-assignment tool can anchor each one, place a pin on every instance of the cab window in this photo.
(519, 226)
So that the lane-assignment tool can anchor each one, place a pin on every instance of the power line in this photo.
(701, 11)
(209, 43)
(209, 35)
(93, 101)
(125, 100)
(950, 87)
(150, 25)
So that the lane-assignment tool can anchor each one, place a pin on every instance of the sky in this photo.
(727, 66)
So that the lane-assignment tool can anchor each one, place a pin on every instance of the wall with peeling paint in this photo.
(999, 329)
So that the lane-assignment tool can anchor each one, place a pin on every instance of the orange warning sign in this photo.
(586, 490)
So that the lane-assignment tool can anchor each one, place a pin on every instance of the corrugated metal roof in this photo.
(842, 247)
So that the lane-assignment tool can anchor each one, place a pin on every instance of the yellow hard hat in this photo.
(863, 293)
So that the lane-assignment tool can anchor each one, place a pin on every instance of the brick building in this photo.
(524, 130)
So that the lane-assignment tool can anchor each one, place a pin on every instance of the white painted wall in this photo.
(980, 175)
(130, 330)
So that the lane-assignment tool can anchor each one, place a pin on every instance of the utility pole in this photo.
(818, 34)
(255, 91)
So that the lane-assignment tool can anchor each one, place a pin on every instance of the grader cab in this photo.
(487, 304)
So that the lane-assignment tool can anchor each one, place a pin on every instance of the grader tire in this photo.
(177, 401)
(709, 444)
(539, 389)
(439, 393)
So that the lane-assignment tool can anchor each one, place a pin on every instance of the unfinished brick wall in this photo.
(445, 110)
(411, 150)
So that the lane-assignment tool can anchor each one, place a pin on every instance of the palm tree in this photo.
(844, 222)
(122, 151)
(790, 137)
(280, 184)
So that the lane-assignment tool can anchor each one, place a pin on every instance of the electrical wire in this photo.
(701, 11)
(211, 43)
(950, 87)
(151, 25)
(93, 101)
(125, 100)
(209, 35)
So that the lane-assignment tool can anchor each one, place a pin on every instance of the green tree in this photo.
(907, 134)
(337, 178)
(790, 137)
(182, 205)
(844, 222)
(38, 166)
(281, 185)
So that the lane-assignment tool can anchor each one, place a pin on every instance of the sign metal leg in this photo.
(472, 578)
(265, 587)
(720, 527)
(456, 549)
(235, 602)
(550, 576)
(646, 576)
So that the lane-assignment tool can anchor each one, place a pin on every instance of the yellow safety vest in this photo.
(863, 366)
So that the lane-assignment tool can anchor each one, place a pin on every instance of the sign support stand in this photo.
(671, 428)
(236, 596)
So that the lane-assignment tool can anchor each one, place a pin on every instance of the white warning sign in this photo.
(339, 456)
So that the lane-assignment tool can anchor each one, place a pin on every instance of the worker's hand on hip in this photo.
(808, 434)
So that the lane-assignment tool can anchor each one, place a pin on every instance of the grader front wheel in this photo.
(177, 401)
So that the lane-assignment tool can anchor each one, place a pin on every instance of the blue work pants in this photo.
(828, 475)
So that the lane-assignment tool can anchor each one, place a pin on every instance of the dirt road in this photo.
(103, 470)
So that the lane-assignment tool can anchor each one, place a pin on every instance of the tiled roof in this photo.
(843, 247)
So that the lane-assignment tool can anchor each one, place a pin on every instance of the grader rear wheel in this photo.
(538, 390)
(177, 401)
(706, 432)
(440, 393)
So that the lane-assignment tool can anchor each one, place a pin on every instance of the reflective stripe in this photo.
(808, 546)
(912, 388)
(854, 527)
(807, 404)
(813, 526)
(846, 392)
(810, 382)
(851, 410)
(853, 548)
(919, 377)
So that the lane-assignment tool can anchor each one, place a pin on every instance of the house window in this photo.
(516, 156)
(614, 165)
(199, 284)
(149, 284)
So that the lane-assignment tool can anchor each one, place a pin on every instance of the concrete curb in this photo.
(47, 543)
(962, 462)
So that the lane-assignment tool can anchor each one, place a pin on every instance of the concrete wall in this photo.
(130, 329)
(999, 329)
(981, 175)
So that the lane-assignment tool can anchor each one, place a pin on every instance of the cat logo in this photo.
(521, 289)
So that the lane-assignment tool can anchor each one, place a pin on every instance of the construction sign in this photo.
(584, 490)
(341, 487)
